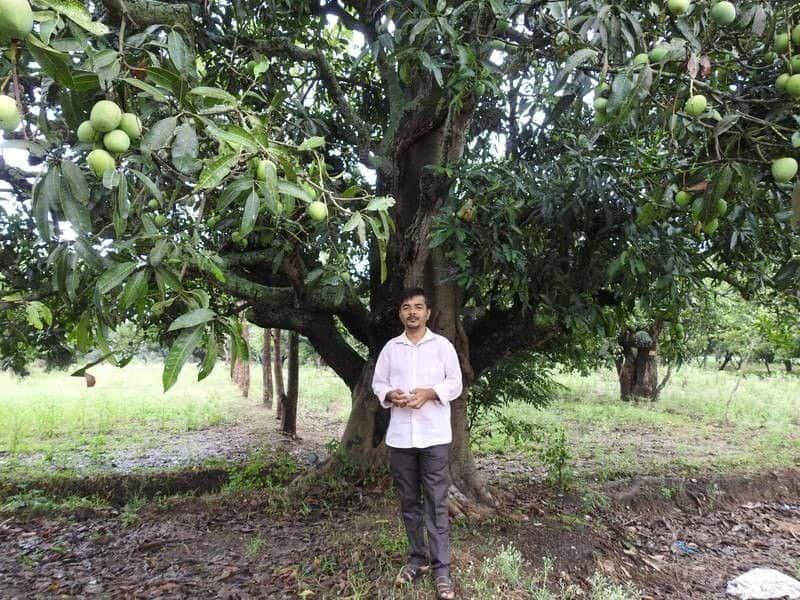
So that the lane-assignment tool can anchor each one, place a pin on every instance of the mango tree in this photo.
(526, 161)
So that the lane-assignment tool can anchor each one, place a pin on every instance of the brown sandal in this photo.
(445, 590)
(410, 573)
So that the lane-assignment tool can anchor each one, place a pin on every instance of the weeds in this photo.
(255, 546)
(36, 501)
(263, 470)
(129, 515)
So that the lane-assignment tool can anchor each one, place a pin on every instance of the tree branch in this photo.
(502, 332)
(360, 135)
(16, 178)
(142, 13)
(320, 329)
(325, 299)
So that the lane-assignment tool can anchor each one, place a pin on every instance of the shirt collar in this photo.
(403, 338)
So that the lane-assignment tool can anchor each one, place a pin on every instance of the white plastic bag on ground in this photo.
(764, 584)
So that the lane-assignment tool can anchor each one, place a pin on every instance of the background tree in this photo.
(266, 369)
(312, 158)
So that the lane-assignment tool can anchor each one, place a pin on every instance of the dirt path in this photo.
(247, 546)
(672, 537)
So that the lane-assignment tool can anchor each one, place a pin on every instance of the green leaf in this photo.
(180, 54)
(167, 79)
(214, 94)
(380, 203)
(210, 359)
(250, 213)
(84, 81)
(311, 143)
(180, 351)
(232, 192)
(215, 171)
(135, 288)
(192, 318)
(32, 316)
(115, 276)
(54, 63)
(353, 222)
(77, 214)
(185, 148)
(720, 184)
(159, 135)
(45, 197)
(121, 207)
(620, 90)
(37, 312)
(418, 28)
(77, 12)
(83, 334)
(575, 60)
(295, 191)
(382, 237)
(156, 94)
(148, 183)
(233, 135)
(76, 181)
(271, 180)
(159, 251)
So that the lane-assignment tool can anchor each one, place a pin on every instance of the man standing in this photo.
(417, 375)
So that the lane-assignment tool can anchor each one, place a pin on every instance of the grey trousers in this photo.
(422, 479)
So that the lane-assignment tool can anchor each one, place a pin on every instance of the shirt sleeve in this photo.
(449, 389)
(380, 378)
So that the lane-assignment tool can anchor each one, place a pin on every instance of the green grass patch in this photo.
(52, 412)
(704, 420)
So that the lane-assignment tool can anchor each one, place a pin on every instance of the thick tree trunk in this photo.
(788, 364)
(637, 368)
(420, 195)
(277, 370)
(266, 369)
(289, 416)
(728, 357)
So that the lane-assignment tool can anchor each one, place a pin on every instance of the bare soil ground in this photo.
(672, 537)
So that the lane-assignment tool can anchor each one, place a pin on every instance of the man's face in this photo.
(414, 313)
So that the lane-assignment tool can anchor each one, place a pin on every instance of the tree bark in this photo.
(788, 364)
(241, 370)
(289, 416)
(637, 367)
(277, 367)
(728, 357)
(266, 369)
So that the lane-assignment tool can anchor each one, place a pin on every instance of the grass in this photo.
(50, 412)
(699, 423)
(505, 574)
(53, 413)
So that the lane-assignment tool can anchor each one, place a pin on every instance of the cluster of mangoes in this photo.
(110, 131)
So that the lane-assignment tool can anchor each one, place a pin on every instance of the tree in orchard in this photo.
(520, 159)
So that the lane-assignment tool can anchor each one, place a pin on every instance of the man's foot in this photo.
(445, 590)
(410, 573)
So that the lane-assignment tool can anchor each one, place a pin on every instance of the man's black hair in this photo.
(411, 292)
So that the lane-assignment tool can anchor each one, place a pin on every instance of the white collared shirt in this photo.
(430, 363)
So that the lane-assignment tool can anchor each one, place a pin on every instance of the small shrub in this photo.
(263, 471)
